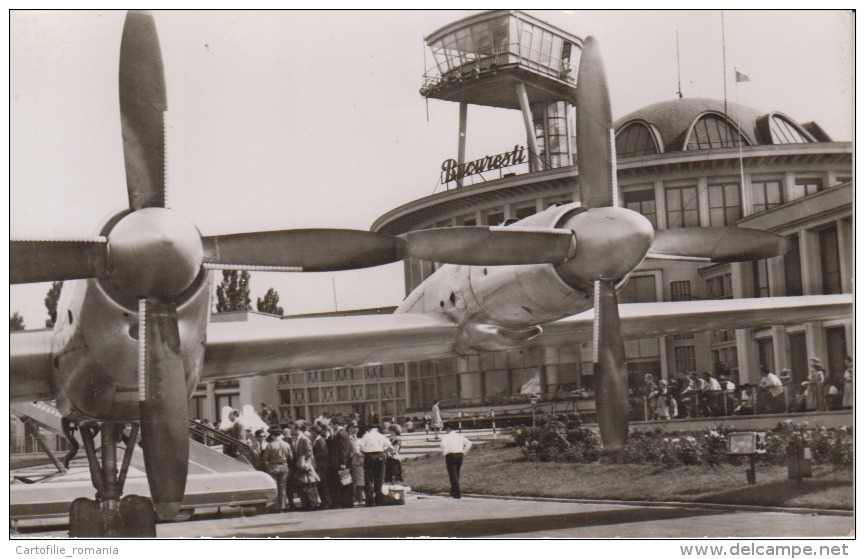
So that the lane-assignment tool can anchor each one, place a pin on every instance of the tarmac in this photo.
(439, 516)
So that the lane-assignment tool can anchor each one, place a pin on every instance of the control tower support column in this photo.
(461, 148)
(535, 161)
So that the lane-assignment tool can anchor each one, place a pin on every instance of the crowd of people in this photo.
(332, 462)
(715, 394)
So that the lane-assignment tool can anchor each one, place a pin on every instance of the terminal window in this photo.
(643, 202)
(682, 209)
(724, 206)
(766, 195)
(806, 187)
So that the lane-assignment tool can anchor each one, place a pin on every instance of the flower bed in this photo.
(566, 439)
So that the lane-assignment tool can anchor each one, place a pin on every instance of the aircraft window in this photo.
(69, 315)
(510, 221)
(453, 298)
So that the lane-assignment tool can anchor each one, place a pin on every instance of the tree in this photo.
(16, 322)
(270, 303)
(233, 293)
(51, 299)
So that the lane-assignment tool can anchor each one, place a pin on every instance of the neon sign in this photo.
(451, 171)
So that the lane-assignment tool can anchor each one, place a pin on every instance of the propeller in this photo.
(611, 374)
(148, 251)
(35, 261)
(717, 244)
(603, 230)
(595, 148)
(491, 246)
(142, 106)
(162, 400)
(318, 250)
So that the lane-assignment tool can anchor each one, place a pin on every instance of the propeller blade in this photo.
(301, 250)
(162, 399)
(717, 244)
(595, 161)
(491, 246)
(142, 104)
(611, 373)
(35, 261)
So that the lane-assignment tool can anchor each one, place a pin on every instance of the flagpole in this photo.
(678, 65)
(739, 139)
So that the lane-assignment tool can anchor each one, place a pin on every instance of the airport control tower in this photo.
(511, 60)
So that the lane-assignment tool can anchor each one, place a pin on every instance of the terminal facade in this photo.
(681, 163)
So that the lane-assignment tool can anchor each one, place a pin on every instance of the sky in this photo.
(299, 119)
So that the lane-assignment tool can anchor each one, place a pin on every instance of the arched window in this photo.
(713, 131)
(785, 131)
(636, 139)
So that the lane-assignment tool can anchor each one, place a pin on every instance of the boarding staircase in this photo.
(215, 479)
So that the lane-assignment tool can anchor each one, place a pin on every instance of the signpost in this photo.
(745, 444)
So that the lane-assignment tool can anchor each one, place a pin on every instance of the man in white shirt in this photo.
(771, 390)
(454, 447)
(374, 447)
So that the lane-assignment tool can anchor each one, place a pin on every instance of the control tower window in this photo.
(483, 44)
(551, 132)
(713, 131)
(542, 50)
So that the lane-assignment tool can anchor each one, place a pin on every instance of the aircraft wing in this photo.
(30, 366)
(273, 345)
(648, 320)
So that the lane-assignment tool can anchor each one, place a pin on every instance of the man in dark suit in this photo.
(322, 462)
(340, 451)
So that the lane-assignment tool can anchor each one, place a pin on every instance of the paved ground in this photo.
(509, 518)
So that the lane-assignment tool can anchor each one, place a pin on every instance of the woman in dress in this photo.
(663, 401)
(847, 401)
(814, 392)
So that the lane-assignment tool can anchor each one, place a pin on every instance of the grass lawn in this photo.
(495, 469)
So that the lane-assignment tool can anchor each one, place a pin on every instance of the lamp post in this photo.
(534, 400)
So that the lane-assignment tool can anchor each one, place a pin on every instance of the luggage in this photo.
(394, 494)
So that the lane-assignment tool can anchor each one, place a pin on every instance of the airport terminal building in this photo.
(685, 162)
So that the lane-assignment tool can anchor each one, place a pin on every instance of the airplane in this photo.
(132, 339)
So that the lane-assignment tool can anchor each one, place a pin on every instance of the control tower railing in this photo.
(472, 65)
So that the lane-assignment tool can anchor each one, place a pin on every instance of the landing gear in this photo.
(109, 515)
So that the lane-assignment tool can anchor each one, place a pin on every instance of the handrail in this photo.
(215, 434)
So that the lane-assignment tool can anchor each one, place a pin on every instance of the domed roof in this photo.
(674, 119)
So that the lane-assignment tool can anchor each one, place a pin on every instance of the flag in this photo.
(740, 77)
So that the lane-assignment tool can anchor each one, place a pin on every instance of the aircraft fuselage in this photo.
(95, 348)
